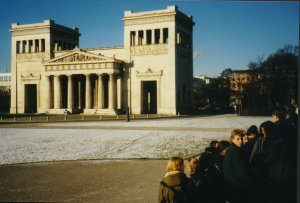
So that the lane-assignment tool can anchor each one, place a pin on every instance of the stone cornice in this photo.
(149, 73)
(77, 56)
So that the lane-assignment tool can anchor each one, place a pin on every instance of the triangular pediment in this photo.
(79, 56)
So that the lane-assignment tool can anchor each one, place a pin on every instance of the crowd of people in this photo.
(257, 165)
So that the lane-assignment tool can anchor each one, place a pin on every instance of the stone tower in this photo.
(159, 48)
(31, 45)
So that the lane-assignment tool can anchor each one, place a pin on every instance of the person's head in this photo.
(266, 129)
(252, 132)
(211, 150)
(193, 165)
(175, 164)
(291, 117)
(223, 146)
(278, 114)
(245, 138)
(236, 137)
(214, 143)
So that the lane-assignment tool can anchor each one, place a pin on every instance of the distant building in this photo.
(5, 80)
(204, 79)
(238, 79)
(151, 73)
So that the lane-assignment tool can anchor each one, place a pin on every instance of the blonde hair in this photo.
(174, 164)
(193, 164)
(237, 132)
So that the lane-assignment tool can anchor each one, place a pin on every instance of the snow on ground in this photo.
(45, 142)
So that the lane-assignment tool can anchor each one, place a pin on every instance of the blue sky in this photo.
(227, 34)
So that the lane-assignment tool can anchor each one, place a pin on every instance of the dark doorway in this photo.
(105, 90)
(149, 97)
(30, 99)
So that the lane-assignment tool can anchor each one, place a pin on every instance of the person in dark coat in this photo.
(257, 167)
(234, 169)
(175, 178)
(279, 161)
(198, 180)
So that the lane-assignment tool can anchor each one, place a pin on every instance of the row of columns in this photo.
(31, 46)
(61, 45)
(88, 96)
(135, 38)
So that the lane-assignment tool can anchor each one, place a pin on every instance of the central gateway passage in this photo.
(149, 97)
(30, 98)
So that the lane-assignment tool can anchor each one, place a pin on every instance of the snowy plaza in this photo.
(107, 140)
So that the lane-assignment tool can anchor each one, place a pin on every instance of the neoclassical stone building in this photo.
(151, 73)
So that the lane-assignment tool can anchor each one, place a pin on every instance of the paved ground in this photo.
(110, 181)
(83, 181)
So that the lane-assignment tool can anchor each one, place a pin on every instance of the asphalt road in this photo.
(82, 181)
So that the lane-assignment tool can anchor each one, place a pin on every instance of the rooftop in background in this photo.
(5, 80)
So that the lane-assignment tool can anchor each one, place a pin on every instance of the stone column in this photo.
(87, 92)
(40, 45)
(119, 95)
(34, 46)
(57, 93)
(46, 97)
(144, 38)
(55, 46)
(27, 46)
(136, 38)
(153, 36)
(111, 94)
(100, 92)
(70, 92)
(161, 35)
(21, 47)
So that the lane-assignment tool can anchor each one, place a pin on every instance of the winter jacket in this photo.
(234, 168)
(179, 181)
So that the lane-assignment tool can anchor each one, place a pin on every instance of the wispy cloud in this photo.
(204, 53)
(196, 55)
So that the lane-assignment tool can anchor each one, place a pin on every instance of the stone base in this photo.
(100, 111)
(59, 111)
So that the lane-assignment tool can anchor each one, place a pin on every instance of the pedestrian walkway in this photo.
(126, 181)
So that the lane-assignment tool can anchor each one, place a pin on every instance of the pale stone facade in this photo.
(151, 73)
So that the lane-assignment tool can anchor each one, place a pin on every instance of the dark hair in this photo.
(223, 145)
(279, 112)
(292, 117)
(214, 143)
(252, 130)
(268, 127)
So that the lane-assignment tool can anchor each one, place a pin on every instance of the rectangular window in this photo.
(188, 41)
(165, 35)
(18, 47)
(37, 46)
(24, 46)
(30, 46)
(43, 45)
(141, 37)
(149, 36)
(132, 38)
(156, 36)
